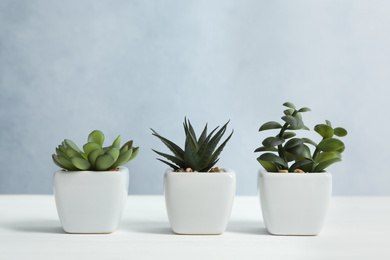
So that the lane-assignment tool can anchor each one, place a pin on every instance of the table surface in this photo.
(356, 228)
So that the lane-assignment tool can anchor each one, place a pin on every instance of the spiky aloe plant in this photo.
(94, 156)
(199, 154)
(295, 154)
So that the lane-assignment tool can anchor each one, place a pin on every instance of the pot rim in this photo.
(121, 169)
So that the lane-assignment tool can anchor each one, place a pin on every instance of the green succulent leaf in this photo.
(134, 153)
(191, 157)
(288, 135)
(175, 149)
(309, 141)
(114, 153)
(300, 165)
(124, 149)
(324, 130)
(263, 149)
(328, 156)
(325, 164)
(289, 112)
(304, 109)
(94, 155)
(179, 163)
(339, 131)
(104, 162)
(174, 167)
(330, 145)
(270, 157)
(91, 146)
(123, 158)
(293, 143)
(217, 152)
(96, 136)
(270, 142)
(289, 104)
(57, 161)
(270, 125)
(328, 123)
(117, 141)
(269, 166)
(202, 137)
(294, 122)
(66, 163)
(80, 163)
(306, 153)
(70, 144)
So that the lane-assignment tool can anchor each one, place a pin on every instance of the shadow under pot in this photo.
(294, 203)
(91, 201)
(199, 203)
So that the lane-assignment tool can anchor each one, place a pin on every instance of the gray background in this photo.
(69, 67)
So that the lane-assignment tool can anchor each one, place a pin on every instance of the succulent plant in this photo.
(94, 156)
(294, 153)
(199, 154)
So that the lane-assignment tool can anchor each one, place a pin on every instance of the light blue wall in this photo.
(68, 67)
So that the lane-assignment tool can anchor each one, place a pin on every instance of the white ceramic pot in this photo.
(198, 202)
(294, 203)
(91, 201)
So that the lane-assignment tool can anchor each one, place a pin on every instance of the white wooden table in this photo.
(356, 228)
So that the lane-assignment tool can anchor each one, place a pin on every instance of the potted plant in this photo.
(198, 197)
(91, 189)
(294, 188)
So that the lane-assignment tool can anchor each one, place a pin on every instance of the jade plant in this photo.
(199, 154)
(94, 156)
(287, 153)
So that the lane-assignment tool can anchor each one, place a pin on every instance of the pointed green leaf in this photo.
(324, 130)
(56, 161)
(191, 158)
(330, 145)
(123, 158)
(217, 152)
(289, 104)
(176, 150)
(124, 149)
(80, 163)
(117, 141)
(339, 131)
(174, 167)
(70, 144)
(206, 152)
(134, 153)
(173, 159)
(203, 136)
(304, 109)
(270, 125)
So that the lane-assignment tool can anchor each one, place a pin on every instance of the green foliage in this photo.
(94, 157)
(199, 154)
(286, 152)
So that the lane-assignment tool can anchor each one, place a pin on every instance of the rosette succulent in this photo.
(285, 152)
(94, 156)
(199, 154)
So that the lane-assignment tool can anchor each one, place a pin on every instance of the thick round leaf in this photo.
(91, 146)
(270, 125)
(124, 149)
(96, 137)
(293, 142)
(270, 157)
(269, 166)
(296, 151)
(287, 135)
(123, 158)
(263, 149)
(324, 130)
(322, 166)
(134, 154)
(80, 163)
(328, 156)
(339, 131)
(301, 165)
(114, 152)
(289, 104)
(294, 122)
(309, 141)
(306, 153)
(271, 142)
(288, 112)
(66, 163)
(56, 161)
(328, 122)
(330, 145)
(94, 155)
(72, 153)
(104, 162)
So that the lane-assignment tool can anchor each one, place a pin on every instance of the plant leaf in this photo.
(304, 109)
(91, 146)
(134, 154)
(330, 145)
(322, 166)
(117, 141)
(80, 163)
(114, 153)
(294, 122)
(272, 141)
(289, 104)
(202, 136)
(169, 164)
(123, 158)
(270, 125)
(339, 131)
(288, 112)
(93, 155)
(270, 157)
(263, 149)
(324, 130)
(269, 166)
(70, 144)
(215, 155)
(96, 136)
(287, 135)
(328, 156)
(299, 164)
(66, 163)
(56, 161)
(173, 159)
(309, 141)
(175, 149)
(104, 162)
(191, 158)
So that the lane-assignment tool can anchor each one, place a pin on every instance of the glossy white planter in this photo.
(199, 203)
(294, 203)
(91, 201)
